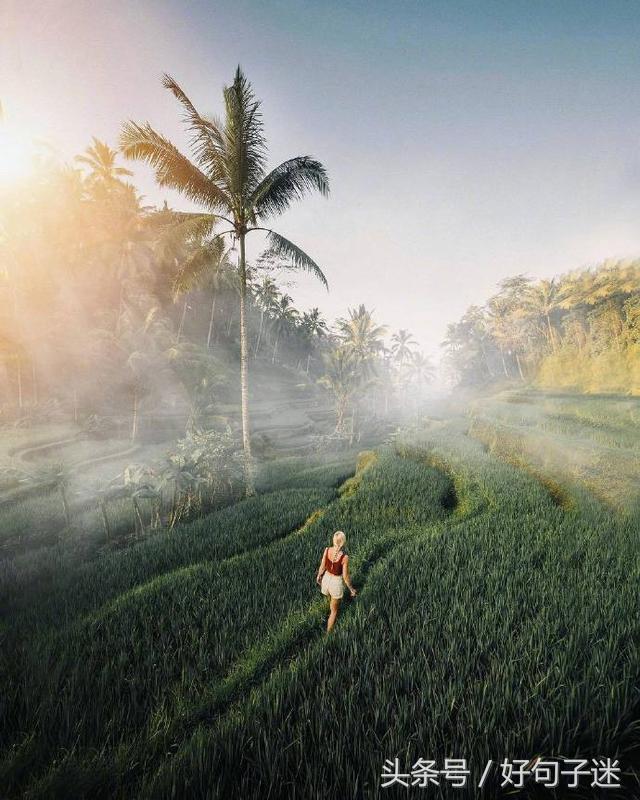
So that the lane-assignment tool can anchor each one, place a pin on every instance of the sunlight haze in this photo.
(463, 144)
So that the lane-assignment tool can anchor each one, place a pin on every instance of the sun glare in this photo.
(16, 155)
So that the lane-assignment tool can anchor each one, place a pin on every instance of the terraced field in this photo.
(497, 616)
(593, 442)
(32, 515)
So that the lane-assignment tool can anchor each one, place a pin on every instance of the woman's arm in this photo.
(321, 568)
(347, 579)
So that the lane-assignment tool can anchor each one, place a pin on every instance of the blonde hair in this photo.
(339, 539)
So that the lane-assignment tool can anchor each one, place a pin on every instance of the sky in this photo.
(465, 141)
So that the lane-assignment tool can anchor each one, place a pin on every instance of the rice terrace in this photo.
(259, 540)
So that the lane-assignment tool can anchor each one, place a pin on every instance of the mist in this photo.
(120, 383)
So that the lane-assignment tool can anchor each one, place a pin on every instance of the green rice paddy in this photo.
(497, 616)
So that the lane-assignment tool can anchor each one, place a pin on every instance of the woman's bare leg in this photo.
(334, 606)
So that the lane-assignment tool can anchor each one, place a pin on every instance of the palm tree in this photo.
(499, 319)
(508, 319)
(121, 238)
(402, 342)
(541, 300)
(470, 344)
(343, 378)
(421, 369)
(137, 355)
(360, 334)
(266, 296)
(285, 316)
(363, 338)
(227, 177)
(313, 326)
(101, 161)
(207, 266)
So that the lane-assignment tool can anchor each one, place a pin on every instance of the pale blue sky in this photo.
(465, 141)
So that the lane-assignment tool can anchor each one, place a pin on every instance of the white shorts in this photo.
(332, 585)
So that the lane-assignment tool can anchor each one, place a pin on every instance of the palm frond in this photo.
(203, 260)
(150, 317)
(172, 168)
(282, 247)
(289, 181)
(101, 160)
(245, 144)
(207, 138)
(179, 227)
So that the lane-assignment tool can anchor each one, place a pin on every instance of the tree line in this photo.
(580, 331)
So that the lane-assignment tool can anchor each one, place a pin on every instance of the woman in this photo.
(333, 573)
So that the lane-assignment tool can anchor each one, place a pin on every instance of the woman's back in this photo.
(333, 575)
(334, 567)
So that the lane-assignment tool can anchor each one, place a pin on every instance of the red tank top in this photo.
(333, 567)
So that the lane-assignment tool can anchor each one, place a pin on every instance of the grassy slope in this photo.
(154, 655)
(510, 630)
(493, 620)
(589, 441)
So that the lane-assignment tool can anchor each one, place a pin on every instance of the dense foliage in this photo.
(580, 331)
(96, 316)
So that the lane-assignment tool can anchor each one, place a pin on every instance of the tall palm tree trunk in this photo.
(341, 408)
(486, 360)
(504, 363)
(259, 339)
(182, 317)
(121, 297)
(134, 419)
(552, 338)
(213, 311)
(244, 375)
